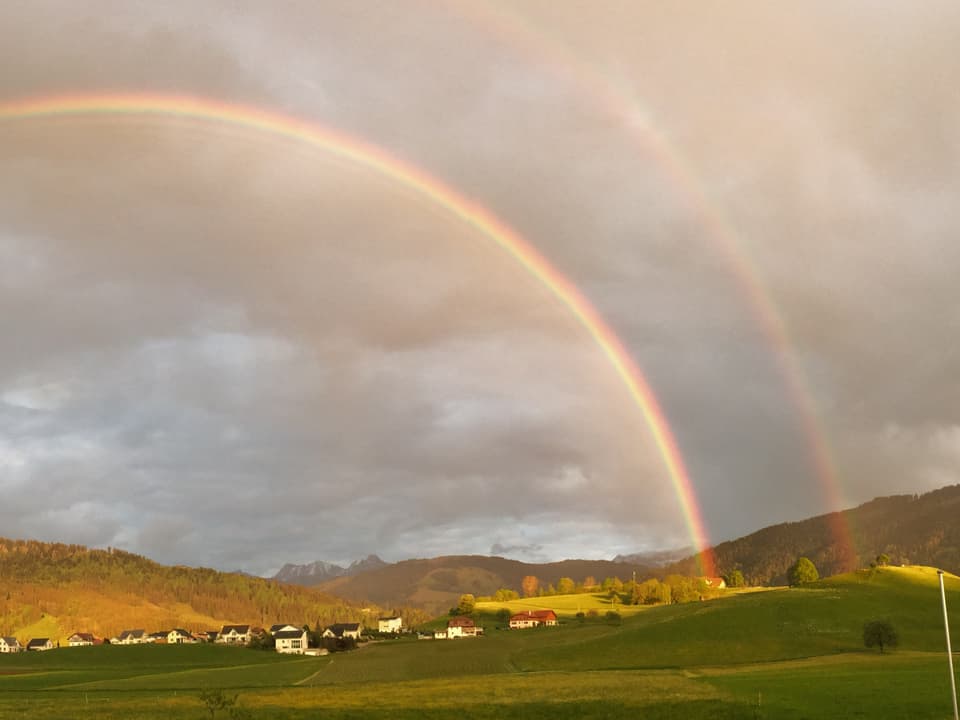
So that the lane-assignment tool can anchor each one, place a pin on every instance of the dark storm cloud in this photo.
(206, 324)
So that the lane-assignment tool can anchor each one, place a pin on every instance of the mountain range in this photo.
(52, 588)
(317, 572)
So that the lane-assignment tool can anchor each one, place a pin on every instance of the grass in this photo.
(566, 606)
(786, 653)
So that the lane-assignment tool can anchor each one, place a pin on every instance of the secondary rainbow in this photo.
(620, 104)
(343, 146)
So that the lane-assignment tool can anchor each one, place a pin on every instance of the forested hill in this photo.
(437, 583)
(56, 589)
(910, 529)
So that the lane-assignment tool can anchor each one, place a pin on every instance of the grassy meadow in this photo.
(782, 653)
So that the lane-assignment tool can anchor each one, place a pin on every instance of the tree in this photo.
(879, 632)
(217, 700)
(503, 615)
(734, 579)
(529, 585)
(802, 572)
(883, 559)
(589, 583)
(565, 586)
(467, 603)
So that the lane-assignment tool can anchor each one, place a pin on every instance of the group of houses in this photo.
(287, 638)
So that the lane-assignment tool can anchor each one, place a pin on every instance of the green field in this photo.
(783, 653)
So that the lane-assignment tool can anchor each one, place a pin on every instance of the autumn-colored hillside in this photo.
(52, 589)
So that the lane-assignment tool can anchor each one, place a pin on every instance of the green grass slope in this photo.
(824, 618)
(784, 653)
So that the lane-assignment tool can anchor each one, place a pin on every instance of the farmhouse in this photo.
(459, 627)
(291, 641)
(715, 583)
(390, 624)
(10, 645)
(533, 618)
(132, 637)
(234, 635)
(81, 639)
(342, 631)
(40, 644)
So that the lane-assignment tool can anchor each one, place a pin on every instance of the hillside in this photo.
(52, 589)
(436, 584)
(910, 529)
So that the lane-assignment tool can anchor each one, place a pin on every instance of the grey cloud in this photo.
(199, 319)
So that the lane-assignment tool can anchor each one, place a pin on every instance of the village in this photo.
(285, 638)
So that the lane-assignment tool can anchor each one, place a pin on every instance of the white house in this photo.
(390, 625)
(532, 618)
(40, 644)
(274, 629)
(234, 635)
(80, 639)
(459, 627)
(10, 645)
(343, 630)
(132, 637)
(291, 641)
(179, 636)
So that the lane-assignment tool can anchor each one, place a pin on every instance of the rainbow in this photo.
(340, 145)
(620, 105)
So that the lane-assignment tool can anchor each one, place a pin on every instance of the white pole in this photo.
(946, 627)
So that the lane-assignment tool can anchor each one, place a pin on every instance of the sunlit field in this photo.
(786, 653)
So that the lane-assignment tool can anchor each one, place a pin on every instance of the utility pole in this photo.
(946, 627)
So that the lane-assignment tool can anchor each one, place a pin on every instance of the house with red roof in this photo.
(459, 627)
(533, 618)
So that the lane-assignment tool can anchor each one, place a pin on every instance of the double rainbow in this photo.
(345, 147)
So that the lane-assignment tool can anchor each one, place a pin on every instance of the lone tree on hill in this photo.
(467, 603)
(803, 571)
(879, 632)
(529, 585)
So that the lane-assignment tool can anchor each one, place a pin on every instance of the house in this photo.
(274, 629)
(234, 635)
(10, 645)
(533, 618)
(157, 637)
(81, 639)
(461, 627)
(207, 635)
(132, 637)
(715, 583)
(390, 624)
(179, 636)
(291, 641)
(342, 631)
(40, 644)
(439, 634)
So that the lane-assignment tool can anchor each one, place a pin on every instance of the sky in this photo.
(227, 348)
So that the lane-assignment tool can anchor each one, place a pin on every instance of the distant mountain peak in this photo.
(321, 570)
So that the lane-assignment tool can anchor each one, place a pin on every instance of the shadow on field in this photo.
(690, 710)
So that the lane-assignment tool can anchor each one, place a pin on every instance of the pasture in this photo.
(784, 653)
